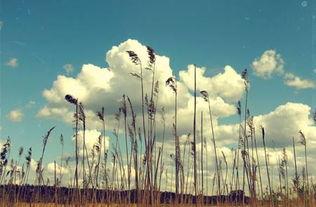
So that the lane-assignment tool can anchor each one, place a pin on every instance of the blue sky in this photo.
(45, 35)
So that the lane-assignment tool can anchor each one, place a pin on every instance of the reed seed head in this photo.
(71, 99)
(134, 57)
(205, 95)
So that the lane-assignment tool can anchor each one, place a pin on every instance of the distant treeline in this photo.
(64, 195)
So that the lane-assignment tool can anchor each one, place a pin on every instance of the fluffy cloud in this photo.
(298, 83)
(96, 87)
(13, 63)
(219, 85)
(60, 112)
(91, 139)
(281, 124)
(15, 115)
(269, 63)
(285, 122)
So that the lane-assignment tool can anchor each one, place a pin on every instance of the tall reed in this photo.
(306, 189)
(194, 139)
(172, 83)
(266, 161)
(206, 97)
(74, 101)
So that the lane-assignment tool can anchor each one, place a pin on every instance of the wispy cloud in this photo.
(298, 83)
(13, 63)
(69, 68)
(15, 115)
(30, 104)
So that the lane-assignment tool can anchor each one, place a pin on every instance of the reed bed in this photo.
(133, 174)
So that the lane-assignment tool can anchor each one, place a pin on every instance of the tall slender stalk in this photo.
(39, 169)
(74, 101)
(76, 147)
(244, 76)
(207, 99)
(133, 134)
(136, 60)
(266, 161)
(226, 172)
(194, 139)
(239, 144)
(124, 111)
(61, 140)
(258, 164)
(296, 176)
(28, 159)
(202, 170)
(306, 190)
(151, 119)
(285, 162)
(82, 117)
(172, 83)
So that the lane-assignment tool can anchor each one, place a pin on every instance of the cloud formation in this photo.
(96, 87)
(285, 122)
(15, 115)
(92, 138)
(268, 64)
(271, 63)
(298, 83)
(219, 85)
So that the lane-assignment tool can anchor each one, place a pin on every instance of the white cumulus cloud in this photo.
(91, 139)
(269, 63)
(218, 85)
(96, 87)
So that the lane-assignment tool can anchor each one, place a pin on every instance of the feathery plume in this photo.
(71, 99)
(171, 82)
(303, 139)
(151, 54)
(205, 95)
(100, 114)
(239, 108)
(134, 57)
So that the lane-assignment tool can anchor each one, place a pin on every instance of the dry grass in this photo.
(143, 154)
